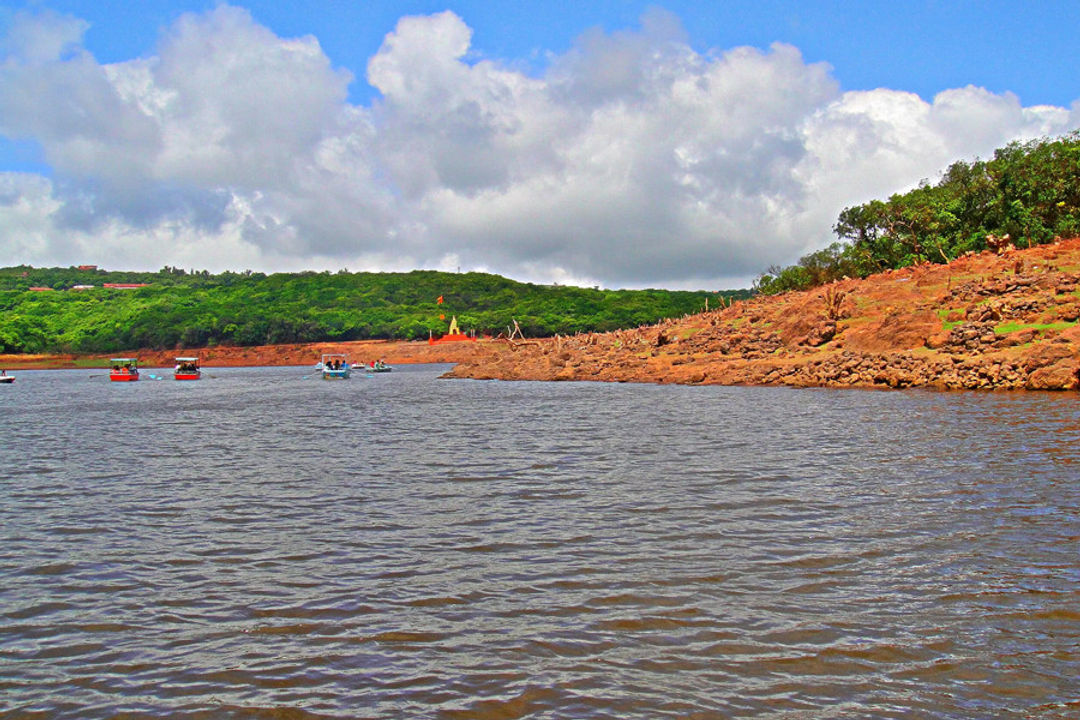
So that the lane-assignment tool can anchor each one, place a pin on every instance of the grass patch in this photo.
(944, 313)
(1006, 328)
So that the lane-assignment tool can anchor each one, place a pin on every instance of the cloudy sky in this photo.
(625, 144)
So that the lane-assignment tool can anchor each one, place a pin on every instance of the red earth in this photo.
(984, 321)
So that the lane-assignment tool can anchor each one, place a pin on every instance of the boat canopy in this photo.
(187, 359)
(123, 361)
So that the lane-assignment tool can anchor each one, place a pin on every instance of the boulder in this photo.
(1059, 376)
(1046, 355)
(820, 334)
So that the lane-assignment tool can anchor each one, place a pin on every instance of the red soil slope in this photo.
(984, 321)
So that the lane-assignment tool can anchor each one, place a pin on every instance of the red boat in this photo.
(187, 368)
(124, 370)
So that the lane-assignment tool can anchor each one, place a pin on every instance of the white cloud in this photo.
(43, 37)
(632, 160)
(238, 105)
(54, 92)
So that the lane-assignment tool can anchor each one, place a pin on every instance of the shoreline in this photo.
(293, 354)
(1008, 321)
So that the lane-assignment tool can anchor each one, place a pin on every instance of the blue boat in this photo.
(335, 366)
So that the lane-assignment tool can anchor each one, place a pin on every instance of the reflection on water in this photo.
(260, 545)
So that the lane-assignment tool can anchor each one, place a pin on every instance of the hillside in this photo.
(984, 321)
(93, 311)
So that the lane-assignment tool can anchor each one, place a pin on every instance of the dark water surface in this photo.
(256, 545)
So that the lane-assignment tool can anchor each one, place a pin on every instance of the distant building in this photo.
(40, 289)
(81, 287)
(88, 267)
(126, 286)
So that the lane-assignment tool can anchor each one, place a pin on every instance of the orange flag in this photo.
(439, 301)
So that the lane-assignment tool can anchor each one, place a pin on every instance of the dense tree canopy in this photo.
(198, 309)
(1028, 191)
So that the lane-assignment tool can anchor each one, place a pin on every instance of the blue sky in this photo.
(730, 134)
(925, 46)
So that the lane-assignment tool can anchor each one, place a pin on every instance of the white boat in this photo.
(6, 379)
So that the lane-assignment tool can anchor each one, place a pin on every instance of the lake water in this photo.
(259, 545)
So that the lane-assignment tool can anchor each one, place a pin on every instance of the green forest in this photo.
(1029, 192)
(180, 308)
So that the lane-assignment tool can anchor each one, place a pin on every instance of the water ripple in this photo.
(401, 546)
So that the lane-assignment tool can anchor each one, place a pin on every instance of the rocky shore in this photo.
(989, 321)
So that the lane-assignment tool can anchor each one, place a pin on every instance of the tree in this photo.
(1030, 191)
